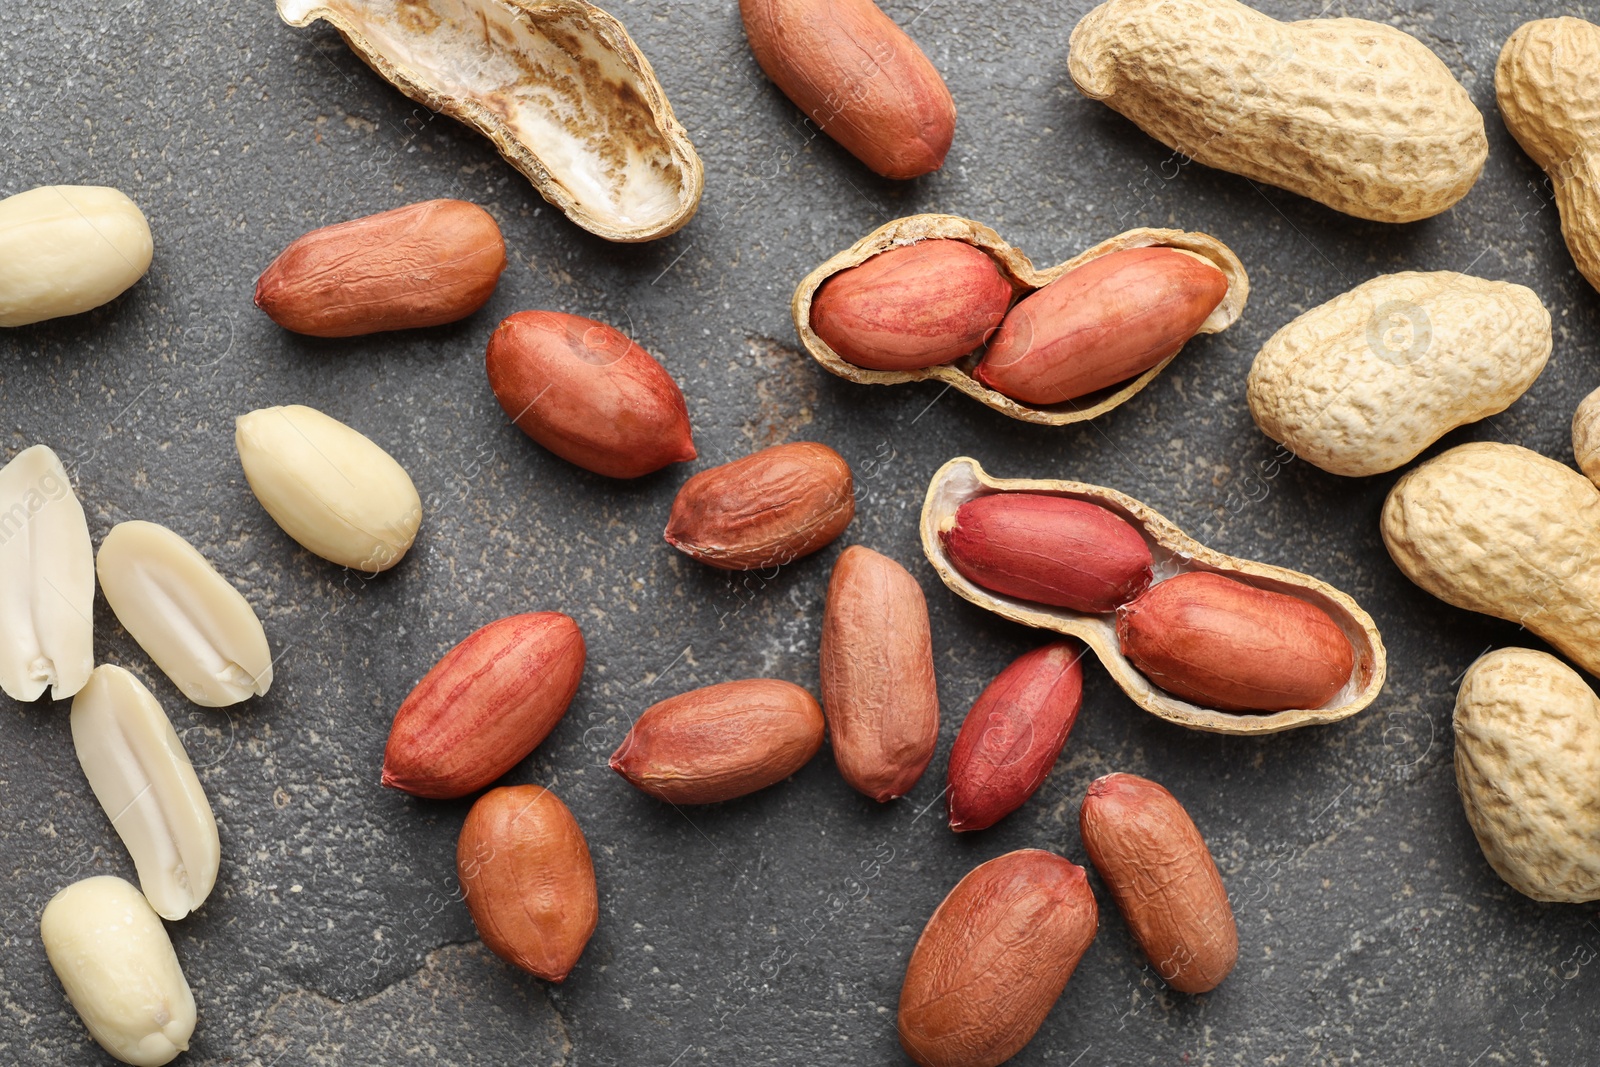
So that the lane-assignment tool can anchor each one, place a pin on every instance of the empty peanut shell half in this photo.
(142, 777)
(330, 488)
(557, 85)
(1173, 553)
(198, 629)
(929, 316)
(46, 580)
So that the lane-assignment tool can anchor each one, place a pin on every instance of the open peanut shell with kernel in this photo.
(557, 85)
(1174, 552)
(1025, 279)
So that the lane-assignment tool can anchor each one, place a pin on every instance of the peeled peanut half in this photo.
(198, 629)
(557, 85)
(1174, 552)
(330, 488)
(1025, 278)
(46, 580)
(142, 777)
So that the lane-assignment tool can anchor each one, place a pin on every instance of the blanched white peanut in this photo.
(329, 487)
(200, 630)
(142, 777)
(117, 965)
(65, 249)
(46, 580)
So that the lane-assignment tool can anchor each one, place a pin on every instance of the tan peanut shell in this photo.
(557, 85)
(1354, 114)
(1586, 436)
(1174, 552)
(1363, 383)
(1505, 531)
(1025, 278)
(1547, 84)
(1528, 767)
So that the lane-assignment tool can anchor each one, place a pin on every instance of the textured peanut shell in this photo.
(528, 880)
(1528, 767)
(1174, 552)
(557, 85)
(878, 688)
(1151, 856)
(1502, 530)
(1364, 383)
(1022, 274)
(1547, 84)
(994, 958)
(1586, 436)
(1354, 114)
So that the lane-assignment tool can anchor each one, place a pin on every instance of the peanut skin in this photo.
(1049, 549)
(721, 742)
(1219, 643)
(859, 77)
(421, 265)
(589, 394)
(911, 307)
(878, 688)
(1162, 876)
(1014, 734)
(994, 958)
(528, 880)
(1102, 323)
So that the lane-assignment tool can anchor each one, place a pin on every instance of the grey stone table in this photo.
(773, 930)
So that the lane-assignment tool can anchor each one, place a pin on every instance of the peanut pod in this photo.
(1173, 552)
(935, 296)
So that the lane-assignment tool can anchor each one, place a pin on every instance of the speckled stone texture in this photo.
(773, 929)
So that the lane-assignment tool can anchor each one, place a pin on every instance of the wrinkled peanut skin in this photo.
(765, 510)
(1099, 324)
(1220, 643)
(1153, 859)
(589, 394)
(878, 687)
(1049, 550)
(859, 77)
(528, 880)
(994, 959)
(721, 742)
(421, 265)
(911, 307)
(485, 706)
(1014, 734)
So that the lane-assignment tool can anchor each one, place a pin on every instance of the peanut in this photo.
(528, 880)
(589, 394)
(1546, 84)
(912, 306)
(994, 958)
(1102, 323)
(1353, 114)
(1014, 734)
(859, 77)
(1503, 530)
(1586, 436)
(46, 580)
(1215, 641)
(66, 249)
(421, 265)
(1527, 731)
(765, 510)
(1050, 550)
(1364, 383)
(1153, 859)
(484, 706)
(116, 964)
(721, 742)
(878, 686)
(328, 486)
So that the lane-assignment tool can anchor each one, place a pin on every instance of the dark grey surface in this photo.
(772, 930)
